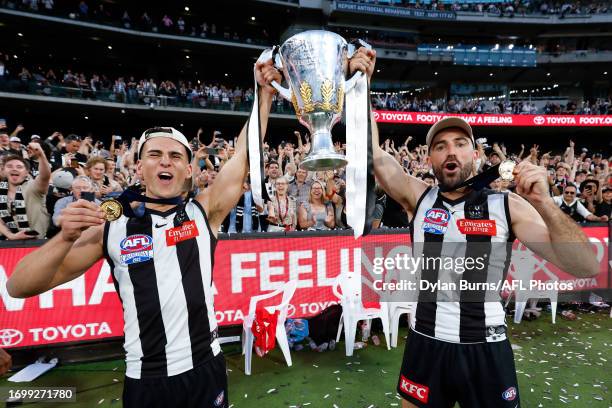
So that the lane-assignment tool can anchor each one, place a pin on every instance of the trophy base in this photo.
(322, 162)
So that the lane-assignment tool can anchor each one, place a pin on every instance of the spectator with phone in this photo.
(95, 168)
(66, 150)
(22, 201)
(589, 192)
(82, 187)
(570, 205)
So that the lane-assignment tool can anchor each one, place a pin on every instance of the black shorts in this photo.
(438, 374)
(202, 387)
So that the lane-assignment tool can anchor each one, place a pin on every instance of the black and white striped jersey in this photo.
(476, 226)
(162, 267)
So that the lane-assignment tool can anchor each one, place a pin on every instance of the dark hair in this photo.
(569, 185)
(428, 176)
(12, 157)
(72, 138)
(585, 184)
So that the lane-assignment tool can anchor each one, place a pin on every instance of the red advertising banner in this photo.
(429, 118)
(88, 307)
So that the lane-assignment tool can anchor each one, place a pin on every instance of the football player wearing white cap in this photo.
(161, 265)
(457, 349)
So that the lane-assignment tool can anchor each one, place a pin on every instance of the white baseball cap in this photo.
(168, 132)
(62, 179)
(446, 123)
(15, 139)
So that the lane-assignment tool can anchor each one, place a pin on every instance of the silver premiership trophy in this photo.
(315, 65)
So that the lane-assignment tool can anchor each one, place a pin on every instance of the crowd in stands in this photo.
(408, 103)
(39, 176)
(505, 8)
(109, 13)
(207, 94)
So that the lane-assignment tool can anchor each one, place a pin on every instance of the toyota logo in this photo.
(376, 115)
(538, 120)
(10, 337)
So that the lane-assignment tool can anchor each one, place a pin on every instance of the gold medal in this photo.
(112, 208)
(505, 170)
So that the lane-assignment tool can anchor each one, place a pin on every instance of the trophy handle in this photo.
(284, 92)
(350, 83)
(272, 54)
(353, 46)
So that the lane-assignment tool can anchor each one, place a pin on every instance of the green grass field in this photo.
(567, 364)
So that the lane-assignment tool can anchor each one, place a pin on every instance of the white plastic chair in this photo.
(396, 301)
(522, 296)
(287, 290)
(524, 266)
(353, 311)
(396, 310)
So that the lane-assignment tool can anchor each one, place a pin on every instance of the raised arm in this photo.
(227, 189)
(539, 223)
(44, 168)
(66, 256)
(403, 188)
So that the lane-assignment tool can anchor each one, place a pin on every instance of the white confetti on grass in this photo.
(271, 390)
(101, 401)
(326, 396)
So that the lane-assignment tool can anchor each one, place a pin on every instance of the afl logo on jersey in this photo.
(436, 221)
(136, 248)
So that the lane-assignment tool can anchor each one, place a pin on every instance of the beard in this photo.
(451, 182)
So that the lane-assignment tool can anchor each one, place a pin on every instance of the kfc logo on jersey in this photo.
(136, 248)
(436, 221)
(509, 394)
(418, 391)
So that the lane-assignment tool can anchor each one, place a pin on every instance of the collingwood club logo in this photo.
(10, 337)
